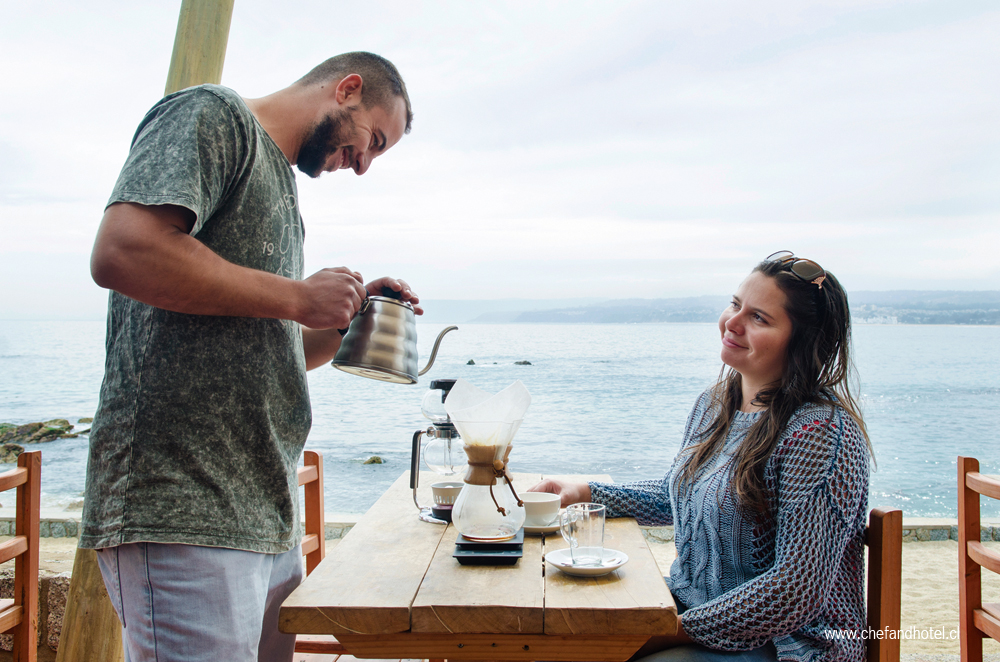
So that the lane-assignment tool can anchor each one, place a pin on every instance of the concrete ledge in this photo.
(47, 528)
(338, 524)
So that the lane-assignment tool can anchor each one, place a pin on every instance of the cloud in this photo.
(639, 145)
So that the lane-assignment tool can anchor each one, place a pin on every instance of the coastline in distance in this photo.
(890, 307)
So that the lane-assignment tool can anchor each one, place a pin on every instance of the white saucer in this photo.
(613, 559)
(541, 530)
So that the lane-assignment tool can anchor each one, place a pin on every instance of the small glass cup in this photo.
(582, 526)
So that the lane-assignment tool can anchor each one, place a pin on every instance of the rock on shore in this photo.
(14, 437)
(9, 453)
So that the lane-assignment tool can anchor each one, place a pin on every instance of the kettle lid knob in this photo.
(390, 293)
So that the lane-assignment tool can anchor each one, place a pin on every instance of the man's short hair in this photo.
(381, 79)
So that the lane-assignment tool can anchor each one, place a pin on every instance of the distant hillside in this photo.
(926, 307)
(893, 307)
(634, 311)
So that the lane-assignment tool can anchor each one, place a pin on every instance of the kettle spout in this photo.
(434, 352)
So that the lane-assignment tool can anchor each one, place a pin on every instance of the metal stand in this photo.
(443, 431)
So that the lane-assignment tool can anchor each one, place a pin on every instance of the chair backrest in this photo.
(20, 615)
(314, 540)
(314, 547)
(884, 538)
(976, 620)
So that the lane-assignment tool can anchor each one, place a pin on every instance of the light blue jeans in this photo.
(697, 653)
(186, 603)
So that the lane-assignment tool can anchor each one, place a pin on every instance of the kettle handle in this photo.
(434, 352)
(361, 311)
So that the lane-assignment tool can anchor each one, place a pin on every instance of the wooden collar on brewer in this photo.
(484, 470)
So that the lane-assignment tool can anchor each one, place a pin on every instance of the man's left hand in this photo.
(396, 285)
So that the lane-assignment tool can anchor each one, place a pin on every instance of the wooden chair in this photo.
(976, 620)
(314, 539)
(884, 537)
(314, 545)
(20, 615)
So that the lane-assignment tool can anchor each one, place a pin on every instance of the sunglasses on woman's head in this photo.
(806, 270)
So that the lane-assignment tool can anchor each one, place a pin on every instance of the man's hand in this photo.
(322, 342)
(396, 285)
(570, 493)
(332, 298)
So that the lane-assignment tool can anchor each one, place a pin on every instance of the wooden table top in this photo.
(393, 579)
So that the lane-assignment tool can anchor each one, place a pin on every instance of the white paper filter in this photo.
(483, 419)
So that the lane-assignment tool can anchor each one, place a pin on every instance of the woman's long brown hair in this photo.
(818, 370)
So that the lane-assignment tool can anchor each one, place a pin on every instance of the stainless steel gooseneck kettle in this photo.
(381, 342)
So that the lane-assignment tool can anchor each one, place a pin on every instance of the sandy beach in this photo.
(929, 600)
(930, 596)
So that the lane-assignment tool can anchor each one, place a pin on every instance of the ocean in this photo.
(606, 399)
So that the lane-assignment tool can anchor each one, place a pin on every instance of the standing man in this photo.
(192, 491)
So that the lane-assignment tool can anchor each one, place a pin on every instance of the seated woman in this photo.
(769, 492)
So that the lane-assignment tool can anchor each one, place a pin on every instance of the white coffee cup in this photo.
(540, 508)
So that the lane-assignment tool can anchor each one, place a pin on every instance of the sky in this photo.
(560, 150)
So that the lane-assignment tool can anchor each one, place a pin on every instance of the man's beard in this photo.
(323, 140)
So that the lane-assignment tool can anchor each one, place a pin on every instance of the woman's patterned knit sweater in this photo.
(744, 579)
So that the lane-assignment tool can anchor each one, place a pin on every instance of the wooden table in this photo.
(391, 589)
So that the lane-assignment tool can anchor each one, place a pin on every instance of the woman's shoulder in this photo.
(826, 417)
(705, 401)
(823, 432)
(702, 413)
(822, 448)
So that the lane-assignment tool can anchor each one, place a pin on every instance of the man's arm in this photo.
(146, 253)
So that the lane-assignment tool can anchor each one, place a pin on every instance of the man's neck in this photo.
(286, 116)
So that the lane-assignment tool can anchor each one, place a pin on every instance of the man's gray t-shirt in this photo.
(201, 418)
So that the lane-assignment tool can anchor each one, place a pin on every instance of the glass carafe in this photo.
(487, 508)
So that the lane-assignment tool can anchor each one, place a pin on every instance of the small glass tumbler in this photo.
(582, 526)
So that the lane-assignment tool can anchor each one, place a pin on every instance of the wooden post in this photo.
(885, 581)
(970, 592)
(91, 629)
(200, 43)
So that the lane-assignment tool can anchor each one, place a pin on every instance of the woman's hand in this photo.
(570, 492)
